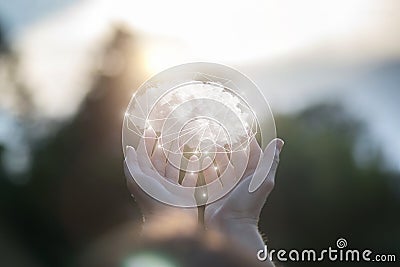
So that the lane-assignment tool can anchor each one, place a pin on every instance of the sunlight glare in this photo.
(225, 32)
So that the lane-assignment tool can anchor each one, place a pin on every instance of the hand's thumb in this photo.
(264, 174)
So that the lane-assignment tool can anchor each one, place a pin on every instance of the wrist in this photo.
(223, 222)
(245, 235)
(237, 227)
(243, 231)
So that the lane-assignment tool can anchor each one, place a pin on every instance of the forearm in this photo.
(246, 235)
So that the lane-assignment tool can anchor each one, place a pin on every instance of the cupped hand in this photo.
(159, 179)
(243, 204)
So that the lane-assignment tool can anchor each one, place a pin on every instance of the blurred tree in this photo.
(13, 250)
(15, 96)
(322, 195)
(78, 187)
(3, 43)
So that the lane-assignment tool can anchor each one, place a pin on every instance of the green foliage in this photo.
(321, 194)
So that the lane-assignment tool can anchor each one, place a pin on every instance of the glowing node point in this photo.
(147, 125)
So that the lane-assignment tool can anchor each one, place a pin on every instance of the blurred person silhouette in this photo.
(233, 218)
(174, 240)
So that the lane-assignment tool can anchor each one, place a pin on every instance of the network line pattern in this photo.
(200, 109)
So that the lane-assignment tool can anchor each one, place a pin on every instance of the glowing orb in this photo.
(200, 109)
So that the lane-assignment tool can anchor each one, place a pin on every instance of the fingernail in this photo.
(193, 158)
(279, 144)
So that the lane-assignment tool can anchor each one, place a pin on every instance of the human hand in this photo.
(149, 166)
(237, 213)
